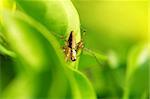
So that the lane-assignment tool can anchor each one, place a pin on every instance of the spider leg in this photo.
(98, 57)
(59, 36)
(79, 46)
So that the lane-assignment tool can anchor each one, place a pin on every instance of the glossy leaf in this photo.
(40, 60)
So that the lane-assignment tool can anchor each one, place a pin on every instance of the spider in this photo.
(71, 48)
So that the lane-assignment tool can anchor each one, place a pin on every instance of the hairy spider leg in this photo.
(80, 45)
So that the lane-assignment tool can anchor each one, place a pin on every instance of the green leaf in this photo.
(58, 16)
(137, 57)
(5, 51)
(137, 72)
(82, 85)
(25, 42)
(77, 82)
(42, 62)
(4, 47)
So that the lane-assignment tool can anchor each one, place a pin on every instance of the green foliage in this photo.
(113, 64)
(39, 60)
(137, 68)
(118, 29)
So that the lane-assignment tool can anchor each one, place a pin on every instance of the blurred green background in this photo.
(115, 29)
(119, 29)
